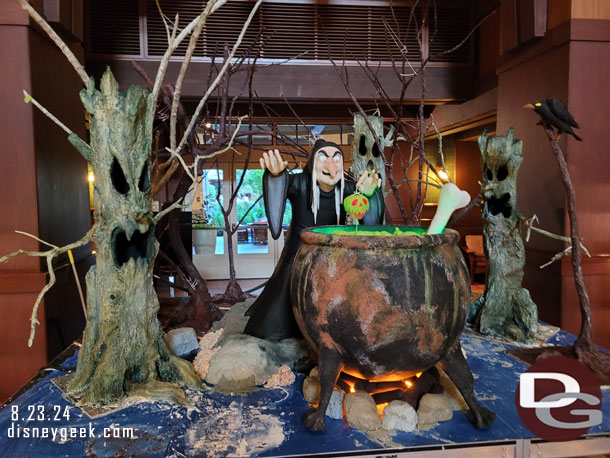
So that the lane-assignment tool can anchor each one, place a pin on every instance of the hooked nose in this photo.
(332, 167)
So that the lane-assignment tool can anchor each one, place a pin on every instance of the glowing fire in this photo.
(351, 385)
(380, 408)
(408, 383)
(418, 375)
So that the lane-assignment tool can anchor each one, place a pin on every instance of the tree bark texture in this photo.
(505, 308)
(584, 347)
(202, 311)
(123, 343)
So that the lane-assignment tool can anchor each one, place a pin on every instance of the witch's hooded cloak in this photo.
(271, 315)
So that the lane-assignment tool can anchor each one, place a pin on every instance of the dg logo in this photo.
(559, 399)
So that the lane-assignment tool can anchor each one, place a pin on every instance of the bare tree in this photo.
(123, 348)
(403, 134)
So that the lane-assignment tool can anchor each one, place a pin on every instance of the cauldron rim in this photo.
(369, 242)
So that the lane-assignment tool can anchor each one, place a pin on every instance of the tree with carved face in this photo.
(316, 196)
(367, 149)
(505, 308)
(118, 353)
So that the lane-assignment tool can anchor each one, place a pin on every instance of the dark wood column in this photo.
(43, 191)
(20, 279)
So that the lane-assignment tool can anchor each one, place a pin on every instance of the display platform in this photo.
(267, 423)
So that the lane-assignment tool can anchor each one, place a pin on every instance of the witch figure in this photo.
(316, 196)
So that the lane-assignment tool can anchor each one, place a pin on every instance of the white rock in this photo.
(399, 415)
(181, 341)
(241, 359)
(311, 390)
(361, 411)
(432, 409)
(335, 405)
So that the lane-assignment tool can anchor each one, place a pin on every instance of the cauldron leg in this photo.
(329, 367)
(456, 367)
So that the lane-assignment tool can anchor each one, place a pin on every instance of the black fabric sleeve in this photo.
(275, 190)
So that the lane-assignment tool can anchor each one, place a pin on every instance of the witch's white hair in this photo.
(315, 189)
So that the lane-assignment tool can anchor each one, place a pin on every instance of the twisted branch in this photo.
(49, 255)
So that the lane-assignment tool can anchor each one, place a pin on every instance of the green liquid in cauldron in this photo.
(372, 231)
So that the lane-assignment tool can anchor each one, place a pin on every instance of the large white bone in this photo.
(451, 199)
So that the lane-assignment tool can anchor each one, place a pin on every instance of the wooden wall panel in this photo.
(598, 287)
(18, 207)
(467, 176)
(305, 82)
(509, 38)
(489, 46)
(589, 160)
(590, 9)
(558, 11)
(18, 173)
(63, 194)
(19, 363)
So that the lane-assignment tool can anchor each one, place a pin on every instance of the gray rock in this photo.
(361, 411)
(181, 341)
(234, 321)
(242, 357)
(335, 405)
(399, 415)
(311, 390)
(433, 408)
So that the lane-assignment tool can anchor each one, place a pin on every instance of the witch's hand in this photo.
(273, 162)
(368, 182)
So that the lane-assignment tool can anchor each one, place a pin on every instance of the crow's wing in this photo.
(561, 111)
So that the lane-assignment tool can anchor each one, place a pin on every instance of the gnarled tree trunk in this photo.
(123, 343)
(505, 308)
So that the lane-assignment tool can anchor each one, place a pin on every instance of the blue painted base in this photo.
(264, 423)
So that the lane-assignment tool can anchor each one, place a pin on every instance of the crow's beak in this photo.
(529, 106)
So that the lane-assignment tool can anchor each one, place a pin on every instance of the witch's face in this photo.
(328, 165)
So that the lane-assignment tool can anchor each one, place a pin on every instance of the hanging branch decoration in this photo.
(49, 255)
(529, 224)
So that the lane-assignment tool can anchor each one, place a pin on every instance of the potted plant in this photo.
(204, 234)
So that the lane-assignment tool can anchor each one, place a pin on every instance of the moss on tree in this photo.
(123, 347)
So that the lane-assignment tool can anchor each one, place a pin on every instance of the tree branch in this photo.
(218, 78)
(63, 47)
(49, 255)
(78, 143)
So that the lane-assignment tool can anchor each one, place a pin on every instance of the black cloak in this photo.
(271, 315)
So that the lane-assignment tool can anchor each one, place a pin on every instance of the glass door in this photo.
(254, 251)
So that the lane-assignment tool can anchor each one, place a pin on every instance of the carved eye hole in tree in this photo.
(489, 174)
(502, 173)
(118, 177)
(144, 181)
(140, 246)
(376, 152)
(500, 205)
(362, 147)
